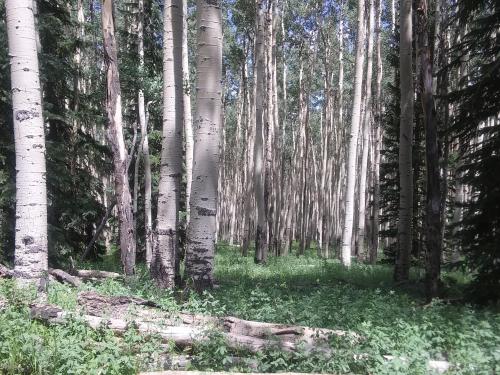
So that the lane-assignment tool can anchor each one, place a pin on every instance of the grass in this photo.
(306, 290)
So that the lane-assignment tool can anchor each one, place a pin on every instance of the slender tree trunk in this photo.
(31, 261)
(433, 201)
(135, 192)
(353, 141)
(259, 174)
(167, 220)
(361, 234)
(393, 16)
(202, 226)
(402, 269)
(377, 136)
(325, 145)
(188, 120)
(116, 139)
(269, 126)
(144, 148)
(341, 69)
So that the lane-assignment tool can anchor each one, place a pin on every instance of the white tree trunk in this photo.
(188, 120)
(203, 205)
(361, 234)
(31, 262)
(259, 172)
(167, 220)
(353, 141)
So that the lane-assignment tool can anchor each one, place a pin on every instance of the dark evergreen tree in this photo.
(477, 129)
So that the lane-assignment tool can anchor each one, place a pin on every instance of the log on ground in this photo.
(64, 277)
(96, 275)
(120, 313)
(186, 330)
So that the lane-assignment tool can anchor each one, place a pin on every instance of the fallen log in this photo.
(64, 277)
(119, 313)
(181, 335)
(239, 334)
(96, 275)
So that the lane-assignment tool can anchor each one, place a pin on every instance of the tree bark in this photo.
(402, 268)
(167, 220)
(116, 139)
(367, 127)
(31, 260)
(188, 120)
(259, 173)
(144, 147)
(353, 141)
(433, 198)
(203, 205)
(377, 138)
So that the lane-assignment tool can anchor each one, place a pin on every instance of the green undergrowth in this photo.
(302, 290)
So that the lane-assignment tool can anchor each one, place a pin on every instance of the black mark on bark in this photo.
(23, 115)
(202, 211)
(28, 240)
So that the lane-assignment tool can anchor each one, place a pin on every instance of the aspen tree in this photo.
(188, 120)
(361, 232)
(353, 141)
(269, 130)
(167, 220)
(31, 261)
(117, 141)
(259, 173)
(203, 205)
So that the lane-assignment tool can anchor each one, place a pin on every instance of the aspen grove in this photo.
(292, 179)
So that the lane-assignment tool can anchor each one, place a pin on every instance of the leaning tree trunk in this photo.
(115, 137)
(402, 269)
(433, 202)
(31, 191)
(353, 141)
(259, 172)
(203, 205)
(167, 220)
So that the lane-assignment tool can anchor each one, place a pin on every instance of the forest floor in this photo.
(303, 290)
